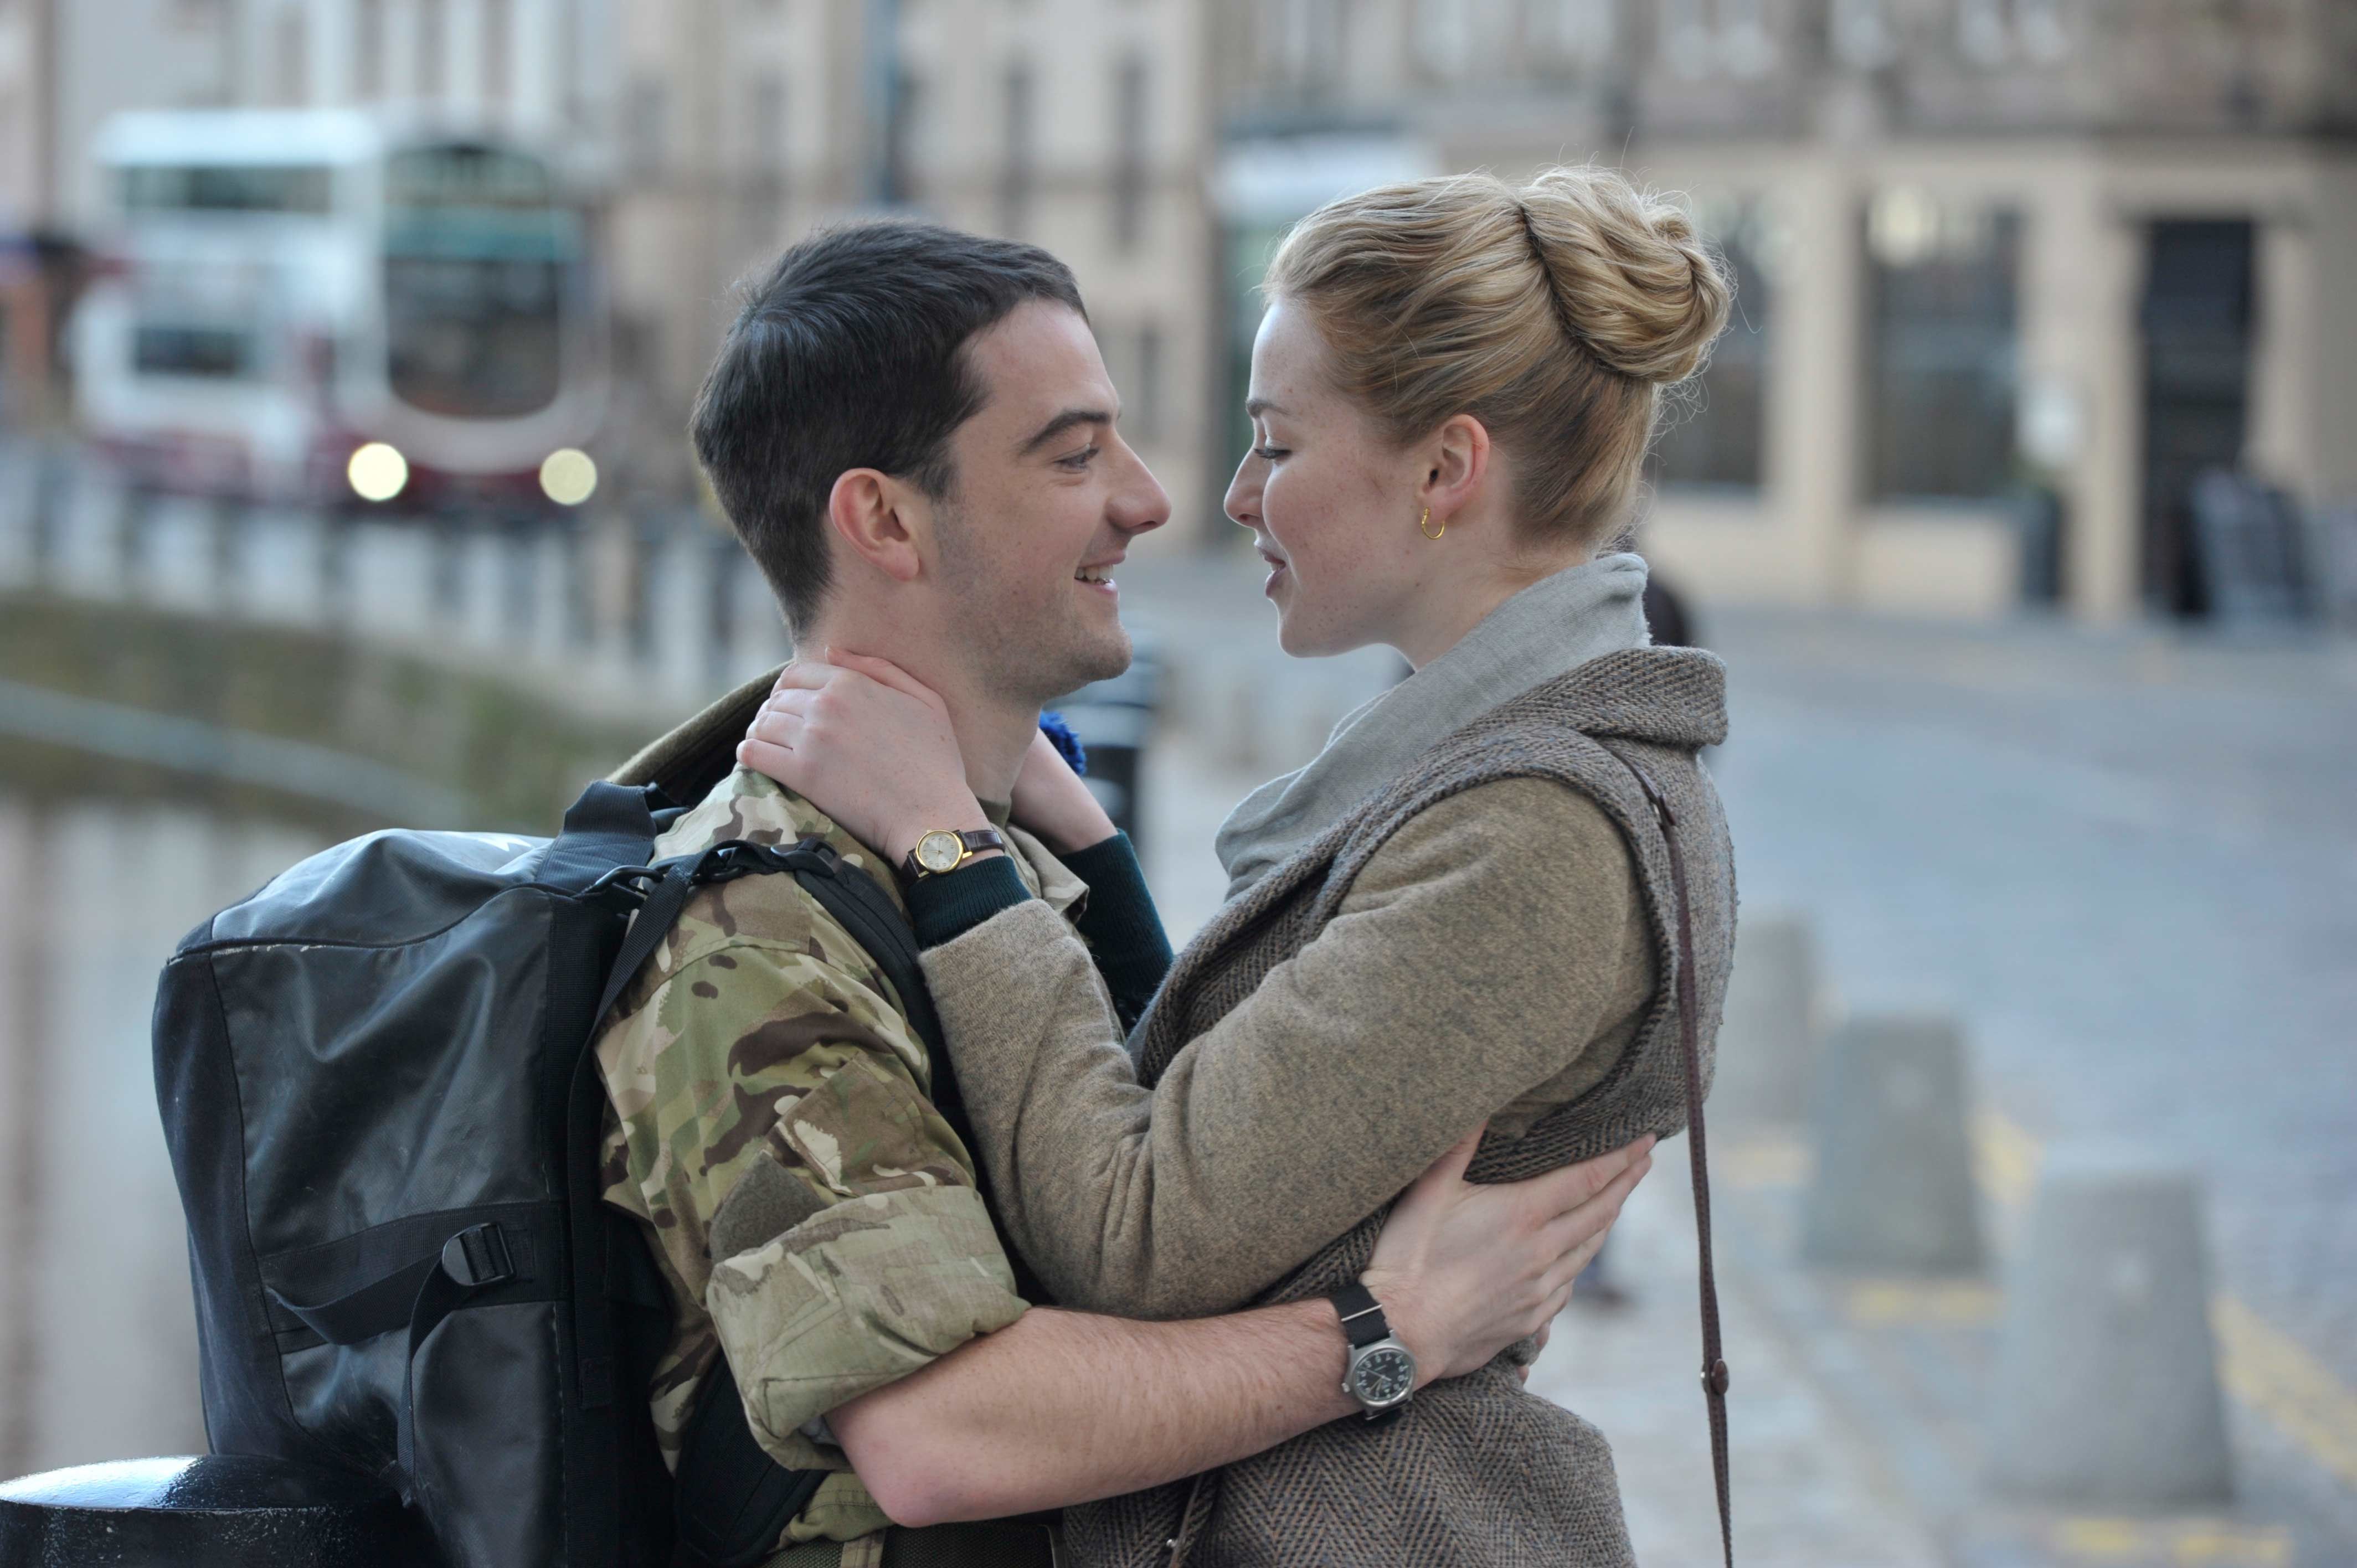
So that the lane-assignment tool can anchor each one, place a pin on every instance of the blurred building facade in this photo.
(2011, 270)
(1987, 249)
(1082, 126)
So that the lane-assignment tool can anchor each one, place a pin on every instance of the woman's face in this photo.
(1330, 503)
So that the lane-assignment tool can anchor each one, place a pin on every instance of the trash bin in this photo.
(223, 1510)
(1112, 719)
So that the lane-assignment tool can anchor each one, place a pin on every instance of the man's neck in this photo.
(993, 733)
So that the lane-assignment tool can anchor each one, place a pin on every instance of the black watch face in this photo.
(1384, 1376)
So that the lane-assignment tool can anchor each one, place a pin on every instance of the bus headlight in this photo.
(567, 476)
(377, 472)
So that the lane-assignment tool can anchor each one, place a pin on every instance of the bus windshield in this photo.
(478, 258)
(226, 187)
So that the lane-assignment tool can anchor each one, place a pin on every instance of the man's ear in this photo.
(1456, 465)
(882, 520)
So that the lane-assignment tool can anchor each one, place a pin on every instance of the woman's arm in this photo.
(1480, 957)
(1118, 919)
(1121, 925)
(1477, 957)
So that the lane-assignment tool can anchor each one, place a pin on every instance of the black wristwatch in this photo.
(1382, 1371)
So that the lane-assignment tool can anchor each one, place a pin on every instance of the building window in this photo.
(1133, 360)
(1942, 354)
(647, 131)
(368, 51)
(1015, 170)
(1713, 430)
(499, 50)
(2042, 30)
(1994, 34)
(1862, 33)
(896, 182)
(765, 127)
(572, 87)
(1144, 396)
(432, 39)
(294, 48)
(1301, 37)
(1981, 34)
(1452, 35)
(1746, 47)
(1129, 163)
(1581, 34)
(765, 158)
(1714, 37)
(1686, 39)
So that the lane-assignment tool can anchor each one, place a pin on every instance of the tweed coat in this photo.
(1476, 1471)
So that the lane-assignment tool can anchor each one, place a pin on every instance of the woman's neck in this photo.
(1446, 618)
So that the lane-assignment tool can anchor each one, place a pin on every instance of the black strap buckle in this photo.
(627, 884)
(478, 1257)
(733, 859)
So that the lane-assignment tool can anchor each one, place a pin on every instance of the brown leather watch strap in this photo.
(1714, 1364)
(975, 840)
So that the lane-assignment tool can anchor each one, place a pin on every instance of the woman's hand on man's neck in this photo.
(992, 732)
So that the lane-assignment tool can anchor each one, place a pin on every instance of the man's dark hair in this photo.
(850, 354)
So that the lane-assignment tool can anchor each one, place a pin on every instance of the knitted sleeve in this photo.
(1496, 947)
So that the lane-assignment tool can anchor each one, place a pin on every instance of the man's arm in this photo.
(1063, 1407)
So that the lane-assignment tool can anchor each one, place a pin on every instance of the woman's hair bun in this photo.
(1554, 311)
(1630, 278)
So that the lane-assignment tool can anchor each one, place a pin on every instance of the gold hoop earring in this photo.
(1426, 518)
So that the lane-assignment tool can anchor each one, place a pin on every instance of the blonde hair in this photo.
(1552, 314)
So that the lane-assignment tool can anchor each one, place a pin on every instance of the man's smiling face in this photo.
(1045, 501)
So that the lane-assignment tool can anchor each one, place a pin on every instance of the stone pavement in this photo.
(2124, 860)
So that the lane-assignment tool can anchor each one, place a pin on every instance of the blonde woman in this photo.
(1464, 912)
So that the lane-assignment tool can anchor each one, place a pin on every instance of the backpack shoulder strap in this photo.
(731, 1500)
(876, 923)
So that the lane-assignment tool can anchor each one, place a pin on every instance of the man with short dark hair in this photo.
(912, 433)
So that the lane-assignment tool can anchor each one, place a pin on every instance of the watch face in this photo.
(940, 851)
(1383, 1375)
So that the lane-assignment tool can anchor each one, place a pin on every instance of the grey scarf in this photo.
(1541, 633)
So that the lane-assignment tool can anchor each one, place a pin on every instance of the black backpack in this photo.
(385, 1117)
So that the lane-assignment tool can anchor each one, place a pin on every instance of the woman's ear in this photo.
(876, 515)
(1457, 466)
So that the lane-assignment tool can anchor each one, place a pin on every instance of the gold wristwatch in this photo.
(944, 850)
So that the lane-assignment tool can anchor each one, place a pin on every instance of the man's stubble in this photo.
(1029, 641)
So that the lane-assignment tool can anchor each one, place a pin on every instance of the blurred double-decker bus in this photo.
(326, 306)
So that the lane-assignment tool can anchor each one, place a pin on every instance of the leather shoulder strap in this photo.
(1714, 1365)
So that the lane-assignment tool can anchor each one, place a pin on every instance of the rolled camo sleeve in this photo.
(858, 1296)
(849, 1246)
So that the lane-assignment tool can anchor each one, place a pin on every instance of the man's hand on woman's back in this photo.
(1465, 1269)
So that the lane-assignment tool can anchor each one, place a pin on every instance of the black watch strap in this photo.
(1363, 1316)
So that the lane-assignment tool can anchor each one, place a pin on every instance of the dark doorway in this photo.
(2198, 309)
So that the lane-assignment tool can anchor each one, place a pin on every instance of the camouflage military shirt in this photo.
(816, 1219)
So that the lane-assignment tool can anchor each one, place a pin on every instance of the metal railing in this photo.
(627, 612)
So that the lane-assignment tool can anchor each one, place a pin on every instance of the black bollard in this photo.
(219, 1511)
(1112, 719)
